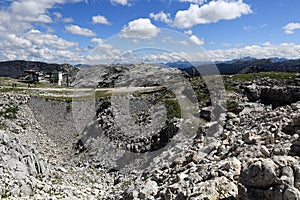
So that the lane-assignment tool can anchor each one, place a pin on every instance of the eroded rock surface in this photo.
(270, 178)
(274, 92)
(252, 153)
(20, 166)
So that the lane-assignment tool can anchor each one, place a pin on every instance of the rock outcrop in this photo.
(127, 126)
(20, 166)
(272, 92)
(248, 159)
(271, 179)
(274, 95)
(252, 153)
(137, 75)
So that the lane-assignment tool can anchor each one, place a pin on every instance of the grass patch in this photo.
(69, 95)
(125, 185)
(4, 195)
(10, 113)
(46, 85)
(201, 91)
(70, 98)
(56, 98)
(6, 81)
(101, 94)
(272, 75)
(173, 108)
(7, 90)
(203, 97)
(231, 86)
(233, 106)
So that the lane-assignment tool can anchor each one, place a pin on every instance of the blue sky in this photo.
(70, 30)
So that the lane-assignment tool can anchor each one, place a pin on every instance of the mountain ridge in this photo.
(16, 68)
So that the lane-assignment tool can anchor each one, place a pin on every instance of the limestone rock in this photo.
(20, 163)
(260, 173)
(270, 179)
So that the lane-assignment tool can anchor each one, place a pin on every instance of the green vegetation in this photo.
(69, 107)
(2, 126)
(231, 86)
(46, 85)
(9, 82)
(232, 106)
(125, 185)
(272, 75)
(173, 108)
(203, 96)
(14, 90)
(101, 94)
(4, 195)
(55, 98)
(201, 90)
(172, 105)
(69, 97)
(58, 179)
(10, 113)
(10, 85)
(5, 81)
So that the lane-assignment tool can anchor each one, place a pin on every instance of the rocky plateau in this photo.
(135, 147)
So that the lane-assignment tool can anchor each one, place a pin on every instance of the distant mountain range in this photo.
(241, 66)
(82, 65)
(245, 65)
(257, 65)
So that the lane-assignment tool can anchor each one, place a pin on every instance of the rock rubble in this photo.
(249, 154)
(20, 166)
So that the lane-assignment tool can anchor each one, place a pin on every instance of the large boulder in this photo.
(276, 178)
(274, 95)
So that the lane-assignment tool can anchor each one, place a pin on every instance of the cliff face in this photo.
(55, 117)
(276, 96)
(273, 92)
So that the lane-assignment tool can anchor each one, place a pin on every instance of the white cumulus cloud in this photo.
(140, 28)
(161, 16)
(68, 19)
(38, 38)
(265, 50)
(77, 30)
(21, 15)
(19, 39)
(32, 11)
(99, 19)
(212, 12)
(97, 40)
(103, 53)
(291, 27)
(59, 17)
(122, 2)
(183, 42)
(194, 1)
(36, 45)
(188, 32)
(196, 40)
